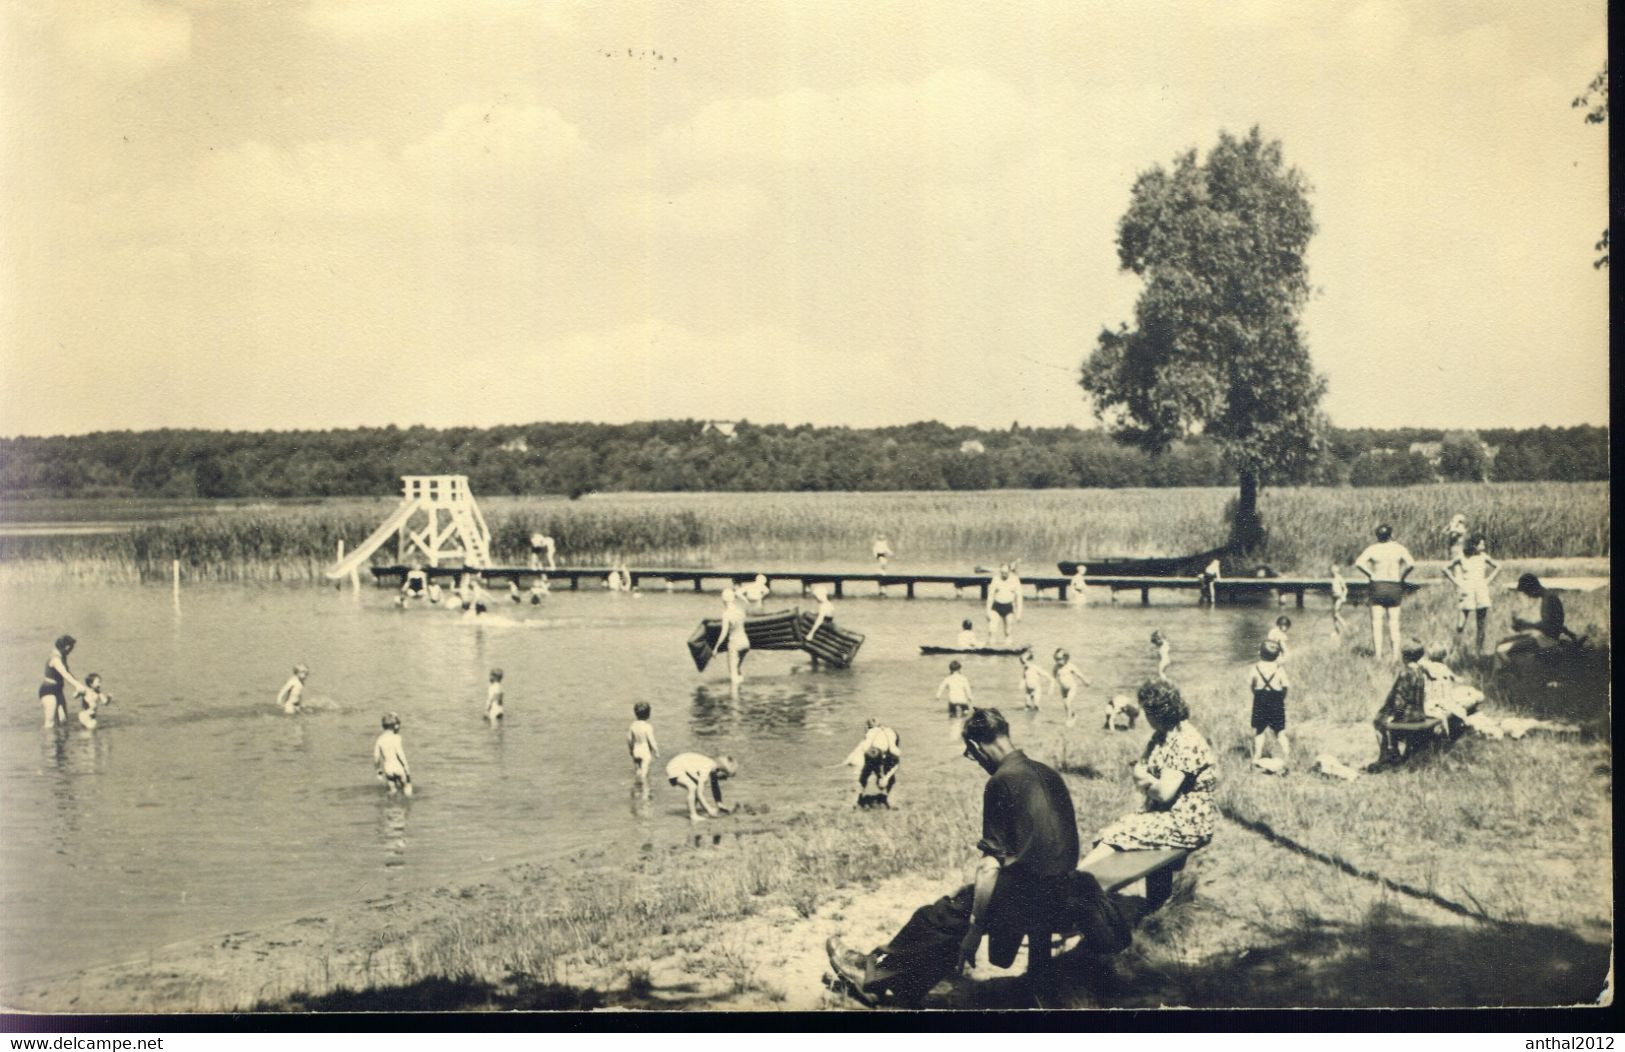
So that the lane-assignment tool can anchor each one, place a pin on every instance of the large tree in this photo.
(1215, 348)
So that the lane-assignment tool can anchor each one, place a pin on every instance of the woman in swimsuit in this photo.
(732, 635)
(53, 688)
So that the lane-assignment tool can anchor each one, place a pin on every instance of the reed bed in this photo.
(1308, 528)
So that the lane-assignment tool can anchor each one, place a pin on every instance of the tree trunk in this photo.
(1246, 529)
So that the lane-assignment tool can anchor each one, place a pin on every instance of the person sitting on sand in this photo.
(1472, 572)
(1340, 595)
(1385, 564)
(1177, 775)
(957, 688)
(1033, 679)
(291, 696)
(732, 634)
(1536, 637)
(641, 744)
(493, 697)
(1071, 680)
(1004, 601)
(967, 636)
(693, 772)
(1406, 703)
(53, 688)
(91, 699)
(1030, 849)
(826, 609)
(389, 757)
(755, 592)
(1160, 642)
(1268, 683)
(880, 751)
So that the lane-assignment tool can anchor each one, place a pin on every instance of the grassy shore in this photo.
(1478, 876)
(1308, 528)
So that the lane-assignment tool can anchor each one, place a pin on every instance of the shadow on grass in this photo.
(1569, 686)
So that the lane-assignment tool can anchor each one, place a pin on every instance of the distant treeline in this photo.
(689, 455)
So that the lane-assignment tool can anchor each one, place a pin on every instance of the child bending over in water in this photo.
(290, 697)
(1160, 641)
(957, 687)
(693, 773)
(493, 697)
(1070, 679)
(90, 699)
(640, 742)
(389, 757)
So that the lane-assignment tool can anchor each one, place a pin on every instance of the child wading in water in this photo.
(1281, 635)
(640, 742)
(957, 687)
(1268, 682)
(1032, 680)
(1340, 595)
(90, 699)
(291, 696)
(389, 757)
(1160, 641)
(1071, 681)
(967, 636)
(493, 697)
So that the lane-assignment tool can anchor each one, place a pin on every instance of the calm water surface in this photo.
(198, 807)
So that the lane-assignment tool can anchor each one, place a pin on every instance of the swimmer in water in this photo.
(539, 588)
(641, 744)
(434, 591)
(493, 697)
(291, 696)
(389, 757)
(90, 699)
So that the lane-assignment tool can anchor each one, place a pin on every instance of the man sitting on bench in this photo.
(1030, 850)
(1402, 714)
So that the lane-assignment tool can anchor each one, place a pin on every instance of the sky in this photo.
(287, 215)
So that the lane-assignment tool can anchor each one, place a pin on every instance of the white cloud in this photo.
(509, 140)
(706, 210)
(364, 19)
(125, 38)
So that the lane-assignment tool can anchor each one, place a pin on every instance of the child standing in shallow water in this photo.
(640, 742)
(291, 696)
(1160, 641)
(1071, 681)
(90, 699)
(493, 697)
(389, 757)
(1032, 680)
(957, 687)
(1281, 634)
(1340, 595)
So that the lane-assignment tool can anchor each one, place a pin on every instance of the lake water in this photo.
(199, 808)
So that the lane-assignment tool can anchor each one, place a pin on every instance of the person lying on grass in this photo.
(1176, 774)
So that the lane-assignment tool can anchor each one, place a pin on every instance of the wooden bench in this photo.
(1122, 868)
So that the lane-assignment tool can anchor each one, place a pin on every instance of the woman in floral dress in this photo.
(1177, 774)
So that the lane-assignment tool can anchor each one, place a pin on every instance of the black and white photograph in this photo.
(804, 508)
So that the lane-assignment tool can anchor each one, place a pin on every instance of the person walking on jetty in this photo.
(493, 698)
(1003, 601)
(732, 634)
(956, 687)
(1269, 683)
(879, 753)
(1385, 564)
(541, 547)
(1340, 595)
(1472, 573)
(291, 696)
(1071, 680)
(641, 744)
(389, 757)
(54, 687)
(1029, 849)
(695, 773)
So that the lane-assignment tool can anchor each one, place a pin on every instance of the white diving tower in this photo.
(451, 528)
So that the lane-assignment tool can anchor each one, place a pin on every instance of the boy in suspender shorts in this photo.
(1268, 682)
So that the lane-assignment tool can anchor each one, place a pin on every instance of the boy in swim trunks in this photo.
(389, 757)
(1071, 680)
(880, 751)
(90, 699)
(641, 744)
(493, 697)
(1268, 683)
(957, 687)
(1385, 564)
(692, 772)
(291, 696)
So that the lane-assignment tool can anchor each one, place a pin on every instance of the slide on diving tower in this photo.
(376, 540)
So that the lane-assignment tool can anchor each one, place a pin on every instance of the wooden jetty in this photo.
(1234, 590)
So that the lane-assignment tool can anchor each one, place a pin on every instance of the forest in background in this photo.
(693, 456)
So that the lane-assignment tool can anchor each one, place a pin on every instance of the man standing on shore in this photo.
(1030, 849)
(1385, 564)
